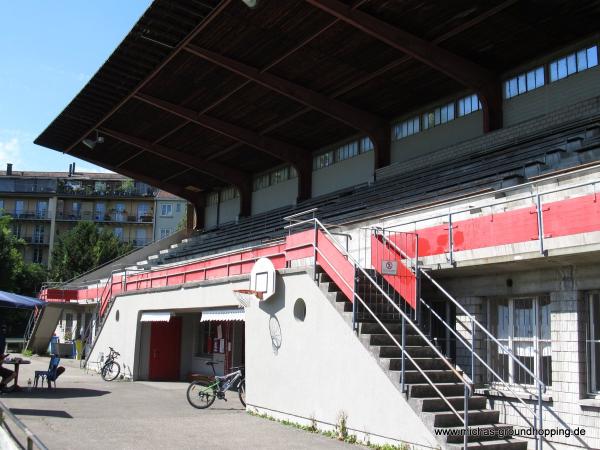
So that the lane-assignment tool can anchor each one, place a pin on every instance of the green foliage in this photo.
(16, 275)
(27, 352)
(82, 249)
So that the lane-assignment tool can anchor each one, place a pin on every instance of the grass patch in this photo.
(340, 433)
(27, 352)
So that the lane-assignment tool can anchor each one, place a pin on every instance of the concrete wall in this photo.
(321, 370)
(428, 141)
(552, 96)
(228, 211)
(349, 172)
(128, 336)
(276, 196)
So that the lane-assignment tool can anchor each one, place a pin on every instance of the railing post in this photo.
(450, 241)
(417, 281)
(540, 414)
(354, 304)
(466, 417)
(403, 354)
(315, 250)
(540, 221)
(472, 351)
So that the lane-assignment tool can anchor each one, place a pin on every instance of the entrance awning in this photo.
(155, 317)
(222, 315)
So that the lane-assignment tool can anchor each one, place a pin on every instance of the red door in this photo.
(165, 350)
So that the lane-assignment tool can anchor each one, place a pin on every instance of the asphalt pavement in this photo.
(85, 412)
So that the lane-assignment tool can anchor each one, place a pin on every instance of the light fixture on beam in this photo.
(251, 3)
(91, 143)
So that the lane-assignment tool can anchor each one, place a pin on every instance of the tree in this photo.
(16, 276)
(83, 248)
(11, 259)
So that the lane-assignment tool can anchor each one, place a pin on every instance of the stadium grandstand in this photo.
(408, 189)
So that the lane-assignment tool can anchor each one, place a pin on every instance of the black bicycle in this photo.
(111, 368)
(201, 394)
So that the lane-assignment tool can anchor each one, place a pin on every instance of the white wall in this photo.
(210, 216)
(349, 172)
(228, 211)
(130, 338)
(278, 195)
(321, 369)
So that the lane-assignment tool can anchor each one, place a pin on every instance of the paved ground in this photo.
(87, 412)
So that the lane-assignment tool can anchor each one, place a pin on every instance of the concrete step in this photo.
(423, 363)
(391, 351)
(436, 404)
(478, 433)
(385, 339)
(449, 419)
(436, 376)
(500, 444)
(424, 390)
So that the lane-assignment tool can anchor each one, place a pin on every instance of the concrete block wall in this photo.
(552, 119)
(566, 402)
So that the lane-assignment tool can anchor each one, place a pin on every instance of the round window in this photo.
(300, 310)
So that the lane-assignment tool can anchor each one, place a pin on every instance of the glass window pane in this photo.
(461, 107)
(451, 111)
(562, 68)
(507, 89)
(530, 80)
(554, 71)
(571, 64)
(523, 318)
(581, 60)
(514, 88)
(522, 84)
(437, 119)
(539, 77)
(592, 56)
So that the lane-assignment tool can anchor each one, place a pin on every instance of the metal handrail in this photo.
(298, 214)
(483, 362)
(467, 384)
(489, 205)
(31, 438)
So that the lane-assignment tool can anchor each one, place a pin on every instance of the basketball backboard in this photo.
(262, 277)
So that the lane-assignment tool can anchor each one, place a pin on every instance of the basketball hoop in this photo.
(245, 296)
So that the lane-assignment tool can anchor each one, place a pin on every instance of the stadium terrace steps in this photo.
(484, 171)
(486, 431)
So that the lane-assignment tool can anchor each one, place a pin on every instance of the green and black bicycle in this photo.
(201, 394)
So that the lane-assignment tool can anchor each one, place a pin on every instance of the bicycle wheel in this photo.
(110, 371)
(201, 395)
(242, 392)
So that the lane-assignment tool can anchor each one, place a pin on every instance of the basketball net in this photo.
(245, 296)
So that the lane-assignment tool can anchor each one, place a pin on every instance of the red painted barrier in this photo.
(336, 265)
(404, 282)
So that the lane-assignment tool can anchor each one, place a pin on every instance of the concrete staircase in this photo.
(487, 433)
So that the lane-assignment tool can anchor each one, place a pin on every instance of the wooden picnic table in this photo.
(17, 362)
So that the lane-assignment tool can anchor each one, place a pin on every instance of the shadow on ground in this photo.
(40, 412)
(56, 393)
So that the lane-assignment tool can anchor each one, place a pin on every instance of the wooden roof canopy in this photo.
(201, 94)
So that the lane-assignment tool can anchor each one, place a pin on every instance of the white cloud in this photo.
(10, 151)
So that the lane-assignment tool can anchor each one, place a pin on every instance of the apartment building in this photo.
(44, 205)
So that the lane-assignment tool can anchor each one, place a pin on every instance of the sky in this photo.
(49, 49)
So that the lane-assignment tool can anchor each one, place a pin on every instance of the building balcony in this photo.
(26, 215)
(35, 239)
(98, 216)
(117, 192)
(39, 186)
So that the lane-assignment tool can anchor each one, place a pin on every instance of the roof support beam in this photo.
(471, 75)
(222, 172)
(361, 120)
(297, 156)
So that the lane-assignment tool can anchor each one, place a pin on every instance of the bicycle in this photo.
(111, 369)
(201, 394)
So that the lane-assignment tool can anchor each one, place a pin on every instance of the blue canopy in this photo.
(8, 300)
